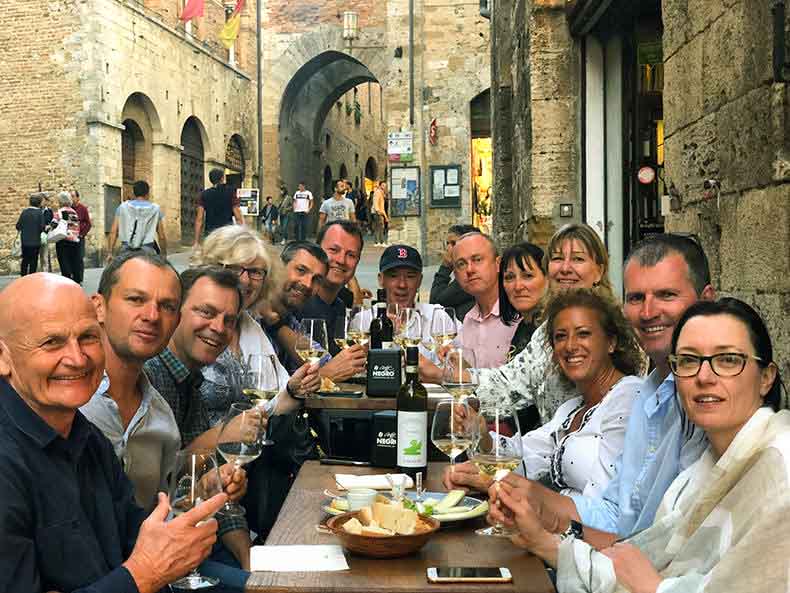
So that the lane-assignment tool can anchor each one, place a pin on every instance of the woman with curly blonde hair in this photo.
(243, 251)
(595, 349)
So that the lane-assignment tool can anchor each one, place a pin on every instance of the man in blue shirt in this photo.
(663, 276)
(68, 516)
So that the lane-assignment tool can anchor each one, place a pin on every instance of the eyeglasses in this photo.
(252, 273)
(724, 364)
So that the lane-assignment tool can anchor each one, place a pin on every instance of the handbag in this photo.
(16, 246)
(59, 232)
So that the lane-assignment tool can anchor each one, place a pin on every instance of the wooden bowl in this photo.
(383, 546)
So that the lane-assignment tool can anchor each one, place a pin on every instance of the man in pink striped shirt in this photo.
(476, 266)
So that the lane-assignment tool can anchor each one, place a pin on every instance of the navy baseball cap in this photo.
(399, 256)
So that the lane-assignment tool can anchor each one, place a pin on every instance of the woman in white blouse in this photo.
(594, 348)
(246, 253)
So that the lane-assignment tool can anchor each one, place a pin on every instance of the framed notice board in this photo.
(405, 195)
(446, 186)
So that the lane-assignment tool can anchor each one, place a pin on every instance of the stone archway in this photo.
(192, 174)
(234, 162)
(140, 121)
(328, 189)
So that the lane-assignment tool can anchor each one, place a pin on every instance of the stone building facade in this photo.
(104, 92)
(309, 67)
(649, 116)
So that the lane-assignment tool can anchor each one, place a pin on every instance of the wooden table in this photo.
(316, 402)
(452, 546)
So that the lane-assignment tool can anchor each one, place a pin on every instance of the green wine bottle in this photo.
(412, 405)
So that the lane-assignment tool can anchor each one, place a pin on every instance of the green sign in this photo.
(650, 53)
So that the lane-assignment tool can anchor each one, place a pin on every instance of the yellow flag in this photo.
(230, 32)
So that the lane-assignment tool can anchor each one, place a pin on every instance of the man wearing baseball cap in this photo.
(400, 275)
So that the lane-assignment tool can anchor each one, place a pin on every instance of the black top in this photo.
(346, 296)
(67, 510)
(218, 204)
(333, 313)
(522, 337)
(31, 222)
(449, 293)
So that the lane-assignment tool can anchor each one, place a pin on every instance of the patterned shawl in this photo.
(722, 526)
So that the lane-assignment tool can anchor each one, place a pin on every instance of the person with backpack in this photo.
(138, 224)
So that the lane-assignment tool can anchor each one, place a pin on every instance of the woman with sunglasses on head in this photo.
(246, 253)
(722, 524)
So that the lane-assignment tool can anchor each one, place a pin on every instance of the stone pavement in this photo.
(367, 271)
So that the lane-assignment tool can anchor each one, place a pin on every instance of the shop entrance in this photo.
(481, 161)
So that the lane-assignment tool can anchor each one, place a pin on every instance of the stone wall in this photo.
(65, 100)
(726, 119)
(536, 119)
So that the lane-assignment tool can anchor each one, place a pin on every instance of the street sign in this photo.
(646, 175)
(249, 201)
(400, 143)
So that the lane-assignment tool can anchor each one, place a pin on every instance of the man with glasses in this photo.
(446, 291)
(663, 276)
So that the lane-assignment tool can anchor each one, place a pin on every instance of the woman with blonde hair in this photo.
(243, 251)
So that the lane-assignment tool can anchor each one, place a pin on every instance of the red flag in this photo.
(193, 8)
(239, 6)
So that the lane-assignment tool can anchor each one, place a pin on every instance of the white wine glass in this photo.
(495, 452)
(194, 479)
(240, 440)
(454, 428)
(458, 376)
(341, 329)
(444, 327)
(311, 342)
(408, 328)
(261, 384)
(359, 320)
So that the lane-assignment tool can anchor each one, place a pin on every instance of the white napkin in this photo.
(375, 482)
(318, 558)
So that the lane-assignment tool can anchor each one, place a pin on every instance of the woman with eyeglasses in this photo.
(722, 524)
(246, 253)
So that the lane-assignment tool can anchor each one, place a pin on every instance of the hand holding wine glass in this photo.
(311, 342)
(194, 480)
(496, 453)
(260, 383)
(408, 327)
(241, 439)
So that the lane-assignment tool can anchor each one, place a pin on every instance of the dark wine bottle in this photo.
(412, 435)
(382, 331)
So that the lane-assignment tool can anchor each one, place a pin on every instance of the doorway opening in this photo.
(482, 162)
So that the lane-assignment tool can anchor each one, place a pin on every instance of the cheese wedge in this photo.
(386, 515)
(365, 515)
(376, 531)
(353, 526)
(406, 523)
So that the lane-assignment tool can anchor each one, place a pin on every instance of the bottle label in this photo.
(388, 345)
(412, 439)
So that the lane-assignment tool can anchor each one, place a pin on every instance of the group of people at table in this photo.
(664, 481)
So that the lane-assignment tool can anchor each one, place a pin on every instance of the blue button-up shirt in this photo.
(67, 513)
(659, 444)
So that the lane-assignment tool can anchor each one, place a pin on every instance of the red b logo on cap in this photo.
(402, 253)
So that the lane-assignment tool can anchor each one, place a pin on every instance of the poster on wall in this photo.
(249, 202)
(446, 186)
(405, 195)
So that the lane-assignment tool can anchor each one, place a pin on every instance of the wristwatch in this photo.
(575, 529)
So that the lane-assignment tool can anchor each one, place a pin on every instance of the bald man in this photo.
(68, 516)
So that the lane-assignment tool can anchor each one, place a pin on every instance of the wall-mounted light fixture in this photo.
(485, 8)
(350, 28)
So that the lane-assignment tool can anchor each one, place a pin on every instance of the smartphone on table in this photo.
(469, 574)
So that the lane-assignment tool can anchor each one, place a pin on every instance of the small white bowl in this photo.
(360, 497)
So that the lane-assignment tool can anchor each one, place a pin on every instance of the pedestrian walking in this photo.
(44, 261)
(30, 226)
(85, 227)
(303, 204)
(218, 206)
(270, 217)
(286, 213)
(338, 207)
(138, 224)
(68, 248)
(378, 210)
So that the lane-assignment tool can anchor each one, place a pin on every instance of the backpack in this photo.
(143, 221)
